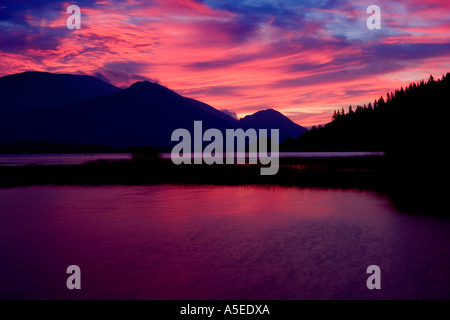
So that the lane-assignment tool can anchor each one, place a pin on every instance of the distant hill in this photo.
(32, 90)
(408, 121)
(272, 119)
(144, 114)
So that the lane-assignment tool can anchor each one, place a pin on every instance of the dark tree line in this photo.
(410, 126)
(409, 119)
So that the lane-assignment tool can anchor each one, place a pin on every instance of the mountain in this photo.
(144, 114)
(272, 119)
(31, 90)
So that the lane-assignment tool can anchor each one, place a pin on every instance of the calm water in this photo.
(178, 242)
(58, 159)
(68, 159)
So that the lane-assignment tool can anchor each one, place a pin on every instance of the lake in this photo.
(206, 242)
(70, 159)
(58, 159)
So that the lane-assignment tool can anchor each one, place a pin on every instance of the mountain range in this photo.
(32, 90)
(63, 108)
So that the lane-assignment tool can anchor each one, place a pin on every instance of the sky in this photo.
(302, 58)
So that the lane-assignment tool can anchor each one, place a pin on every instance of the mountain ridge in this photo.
(33, 90)
(145, 113)
(272, 119)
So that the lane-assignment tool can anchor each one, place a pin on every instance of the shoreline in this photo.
(342, 172)
(413, 191)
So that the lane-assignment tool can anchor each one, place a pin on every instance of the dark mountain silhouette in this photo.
(144, 114)
(272, 119)
(31, 90)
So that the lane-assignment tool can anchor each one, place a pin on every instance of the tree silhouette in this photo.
(399, 125)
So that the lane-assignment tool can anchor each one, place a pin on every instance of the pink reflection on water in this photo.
(177, 242)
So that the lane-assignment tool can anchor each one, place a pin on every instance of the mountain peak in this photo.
(147, 86)
(146, 113)
(266, 112)
(142, 84)
(35, 89)
(272, 119)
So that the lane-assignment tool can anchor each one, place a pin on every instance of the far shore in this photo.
(346, 172)
(408, 188)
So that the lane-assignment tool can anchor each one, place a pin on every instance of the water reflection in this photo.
(179, 242)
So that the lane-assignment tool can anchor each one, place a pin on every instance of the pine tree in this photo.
(350, 110)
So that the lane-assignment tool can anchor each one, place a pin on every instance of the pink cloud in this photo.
(243, 63)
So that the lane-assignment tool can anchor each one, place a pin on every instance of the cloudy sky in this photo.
(303, 58)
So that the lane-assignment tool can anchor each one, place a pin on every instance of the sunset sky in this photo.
(303, 58)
